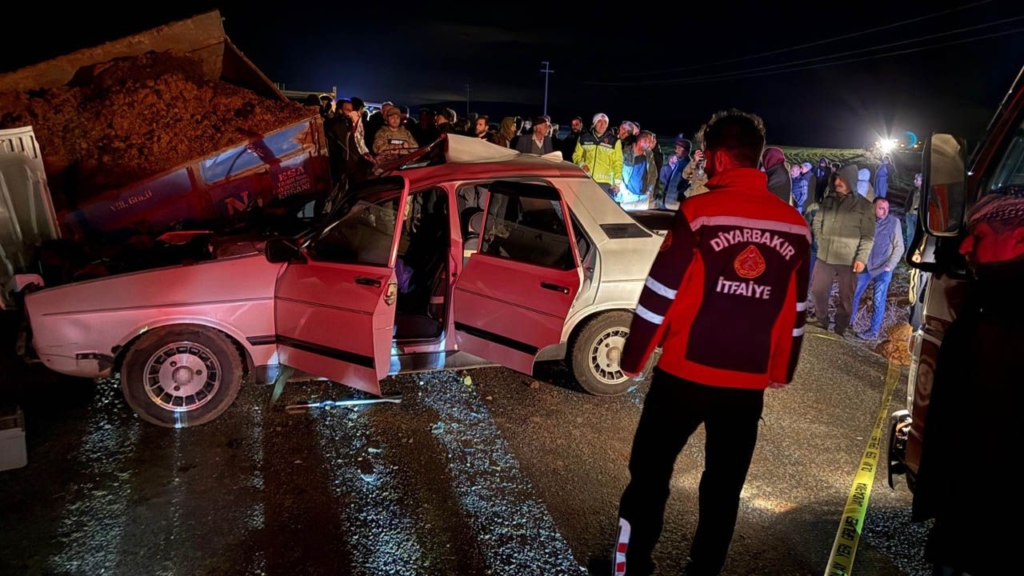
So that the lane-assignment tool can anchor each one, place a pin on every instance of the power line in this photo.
(849, 60)
(805, 60)
(808, 45)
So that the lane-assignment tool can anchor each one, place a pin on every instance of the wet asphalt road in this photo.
(497, 476)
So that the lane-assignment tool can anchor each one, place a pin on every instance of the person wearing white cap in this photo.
(599, 153)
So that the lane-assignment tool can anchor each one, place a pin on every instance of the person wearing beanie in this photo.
(979, 365)
(773, 162)
(674, 185)
(599, 153)
(445, 121)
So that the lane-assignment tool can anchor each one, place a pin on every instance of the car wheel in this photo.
(181, 376)
(595, 354)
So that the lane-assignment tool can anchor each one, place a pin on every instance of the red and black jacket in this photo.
(725, 297)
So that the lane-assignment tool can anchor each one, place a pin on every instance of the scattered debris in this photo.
(328, 404)
(535, 384)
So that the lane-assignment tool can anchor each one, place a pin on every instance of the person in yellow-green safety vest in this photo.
(599, 153)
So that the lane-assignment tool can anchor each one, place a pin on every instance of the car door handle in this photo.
(368, 281)
(555, 287)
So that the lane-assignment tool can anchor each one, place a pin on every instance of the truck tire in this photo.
(595, 352)
(181, 376)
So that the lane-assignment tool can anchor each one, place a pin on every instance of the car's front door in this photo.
(335, 312)
(514, 294)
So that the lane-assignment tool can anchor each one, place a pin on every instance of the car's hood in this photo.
(236, 278)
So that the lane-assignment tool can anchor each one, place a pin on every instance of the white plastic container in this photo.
(12, 441)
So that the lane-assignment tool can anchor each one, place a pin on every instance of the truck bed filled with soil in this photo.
(124, 120)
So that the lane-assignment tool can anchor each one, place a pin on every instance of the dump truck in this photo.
(134, 159)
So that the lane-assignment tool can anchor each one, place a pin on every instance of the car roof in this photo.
(470, 158)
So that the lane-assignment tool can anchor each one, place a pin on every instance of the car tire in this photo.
(595, 351)
(181, 376)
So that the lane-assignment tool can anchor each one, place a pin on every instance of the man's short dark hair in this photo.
(880, 199)
(739, 134)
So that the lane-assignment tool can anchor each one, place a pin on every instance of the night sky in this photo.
(665, 67)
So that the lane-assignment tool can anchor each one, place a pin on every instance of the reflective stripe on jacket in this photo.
(603, 156)
(726, 295)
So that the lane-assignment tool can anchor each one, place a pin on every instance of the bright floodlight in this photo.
(887, 146)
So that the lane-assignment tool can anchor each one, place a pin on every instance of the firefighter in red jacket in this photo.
(725, 300)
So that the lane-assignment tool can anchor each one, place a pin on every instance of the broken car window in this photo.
(530, 230)
(362, 236)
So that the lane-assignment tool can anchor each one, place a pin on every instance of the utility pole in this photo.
(467, 100)
(547, 74)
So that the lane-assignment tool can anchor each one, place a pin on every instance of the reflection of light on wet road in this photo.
(514, 530)
(93, 522)
(383, 536)
(769, 505)
(254, 521)
(175, 538)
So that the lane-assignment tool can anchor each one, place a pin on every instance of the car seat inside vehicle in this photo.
(471, 202)
(422, 267)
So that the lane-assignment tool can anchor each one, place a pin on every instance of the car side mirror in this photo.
(282, 250)
(944, 185)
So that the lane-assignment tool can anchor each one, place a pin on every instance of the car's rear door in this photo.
(514, 294)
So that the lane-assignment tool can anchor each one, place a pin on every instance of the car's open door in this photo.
(514, 294)
(335, 306)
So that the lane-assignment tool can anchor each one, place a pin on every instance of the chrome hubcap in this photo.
(605, 354)
(182, 376)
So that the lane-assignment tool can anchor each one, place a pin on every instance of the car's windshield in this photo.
(1010, 171)
(362, 236)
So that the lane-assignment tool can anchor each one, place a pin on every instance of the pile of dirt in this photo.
(124, 120)
(896, 347)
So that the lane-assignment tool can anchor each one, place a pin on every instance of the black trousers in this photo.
(673, 410)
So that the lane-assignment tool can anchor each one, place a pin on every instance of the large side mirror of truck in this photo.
(945, 185)
(281, 250)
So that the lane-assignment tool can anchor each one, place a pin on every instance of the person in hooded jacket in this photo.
(864, 187)
(886, 172)
(978, 368)
(773, 162)
(844, 229)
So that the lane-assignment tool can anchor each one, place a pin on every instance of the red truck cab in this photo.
(951, 184)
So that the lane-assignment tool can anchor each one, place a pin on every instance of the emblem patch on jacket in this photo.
(749, 264)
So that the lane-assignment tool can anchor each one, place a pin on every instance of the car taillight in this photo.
(391, 294)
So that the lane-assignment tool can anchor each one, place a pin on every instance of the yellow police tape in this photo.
(840, 562)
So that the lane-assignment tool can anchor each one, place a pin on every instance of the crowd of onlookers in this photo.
(857, 242)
